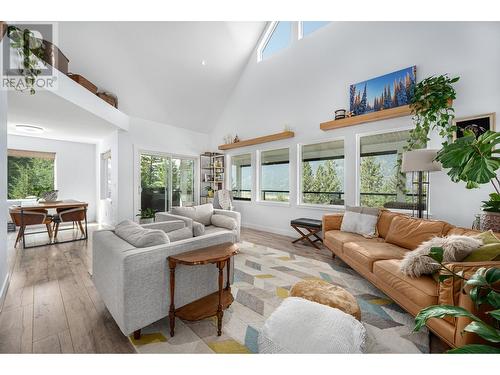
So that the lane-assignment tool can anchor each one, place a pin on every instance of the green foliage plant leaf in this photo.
(485, 331)
(440, 311)
(475, 349)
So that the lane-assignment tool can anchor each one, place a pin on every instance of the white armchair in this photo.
(189, 218)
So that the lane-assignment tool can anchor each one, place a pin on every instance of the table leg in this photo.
(171, 313)
(22, 226)
(228, 267)
(86, 225)
(220, 313)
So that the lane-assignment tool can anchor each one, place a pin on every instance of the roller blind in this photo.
(31, 154)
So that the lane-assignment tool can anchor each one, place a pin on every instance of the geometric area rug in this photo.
(262, 279)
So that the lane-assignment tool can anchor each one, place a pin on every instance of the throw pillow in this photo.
(317, 329)
(198, 229)
(360, 220)
(180, 234)
(490, 251)
(224, 221)
(138, 236)
(416, 263)
(201, 213)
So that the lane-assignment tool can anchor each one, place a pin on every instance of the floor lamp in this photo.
(420, 163)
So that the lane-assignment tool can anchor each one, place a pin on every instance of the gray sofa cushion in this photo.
(198, 229)
(138, 236)
(180, 234)
(223, 221)
(201, 213)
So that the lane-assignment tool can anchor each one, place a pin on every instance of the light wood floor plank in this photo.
(27, 330)
(47, 345)
(49, 314)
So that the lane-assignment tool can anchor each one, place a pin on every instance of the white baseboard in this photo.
(3, 290)
(284, 232)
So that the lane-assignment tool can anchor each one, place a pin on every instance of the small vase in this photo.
(148, 220)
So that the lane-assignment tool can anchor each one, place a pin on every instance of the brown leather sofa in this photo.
(378, 259)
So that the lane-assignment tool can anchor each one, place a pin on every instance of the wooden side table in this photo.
(214, 304)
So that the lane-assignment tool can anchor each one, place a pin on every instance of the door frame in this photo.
(137, 173)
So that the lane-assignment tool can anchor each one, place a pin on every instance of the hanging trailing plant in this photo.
(432, 108)
(30, 50)
(431, 105)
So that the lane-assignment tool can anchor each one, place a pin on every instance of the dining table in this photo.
(54, 205)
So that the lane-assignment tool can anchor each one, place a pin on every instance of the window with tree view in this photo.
(322, 178)
(274, 173)
(29, 173)
(381, 182)
(241, 177)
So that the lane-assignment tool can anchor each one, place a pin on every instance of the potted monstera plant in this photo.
(475, 161)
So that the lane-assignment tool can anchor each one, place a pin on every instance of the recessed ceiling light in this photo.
(203, 62)
(30, 129)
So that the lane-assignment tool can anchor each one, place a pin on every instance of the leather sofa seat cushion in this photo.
(422, 291)
(410, 232)
(367, 252)
(337, 238)
(384, 222)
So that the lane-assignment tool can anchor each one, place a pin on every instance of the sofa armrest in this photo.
(165, 216)
(450, 293)
(332, 222)
(166, 226)
(236, 216)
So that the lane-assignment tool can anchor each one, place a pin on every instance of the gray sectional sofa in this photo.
(134, 282)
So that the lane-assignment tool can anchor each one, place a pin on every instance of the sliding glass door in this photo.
(182, 182)
(166, 181)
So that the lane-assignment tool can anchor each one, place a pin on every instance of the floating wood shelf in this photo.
(258, 140)
(369, 117)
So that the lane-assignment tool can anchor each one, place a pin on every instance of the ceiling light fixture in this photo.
(31, 129)
(203, 62)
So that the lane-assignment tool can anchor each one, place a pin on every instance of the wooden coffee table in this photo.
(214, 304)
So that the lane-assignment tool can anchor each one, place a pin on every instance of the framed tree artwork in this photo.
(477, 124)
(384, 92)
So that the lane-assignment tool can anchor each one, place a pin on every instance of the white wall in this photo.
(75, 168)
(302, 86)
(143, 135)
(4, 256)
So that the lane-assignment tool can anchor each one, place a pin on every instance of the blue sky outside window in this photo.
(280, 39)
(309, 27)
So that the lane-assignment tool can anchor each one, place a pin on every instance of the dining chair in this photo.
(66, 215)
(31, 217)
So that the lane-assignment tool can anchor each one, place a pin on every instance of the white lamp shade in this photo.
(420, 161)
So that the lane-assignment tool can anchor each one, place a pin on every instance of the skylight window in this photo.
(308, 27)
(278, 38)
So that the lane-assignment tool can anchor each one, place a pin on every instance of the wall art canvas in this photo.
(388, 91)
(477, 124)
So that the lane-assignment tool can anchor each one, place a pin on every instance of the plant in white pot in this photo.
(475, 161)
(147, 215)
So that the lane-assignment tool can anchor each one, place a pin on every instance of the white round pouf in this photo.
(302, 326)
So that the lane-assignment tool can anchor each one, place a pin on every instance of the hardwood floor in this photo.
(52, 306)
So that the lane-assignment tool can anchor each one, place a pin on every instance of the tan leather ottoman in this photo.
(327, 294)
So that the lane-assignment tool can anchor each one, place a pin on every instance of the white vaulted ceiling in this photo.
(155, 68)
